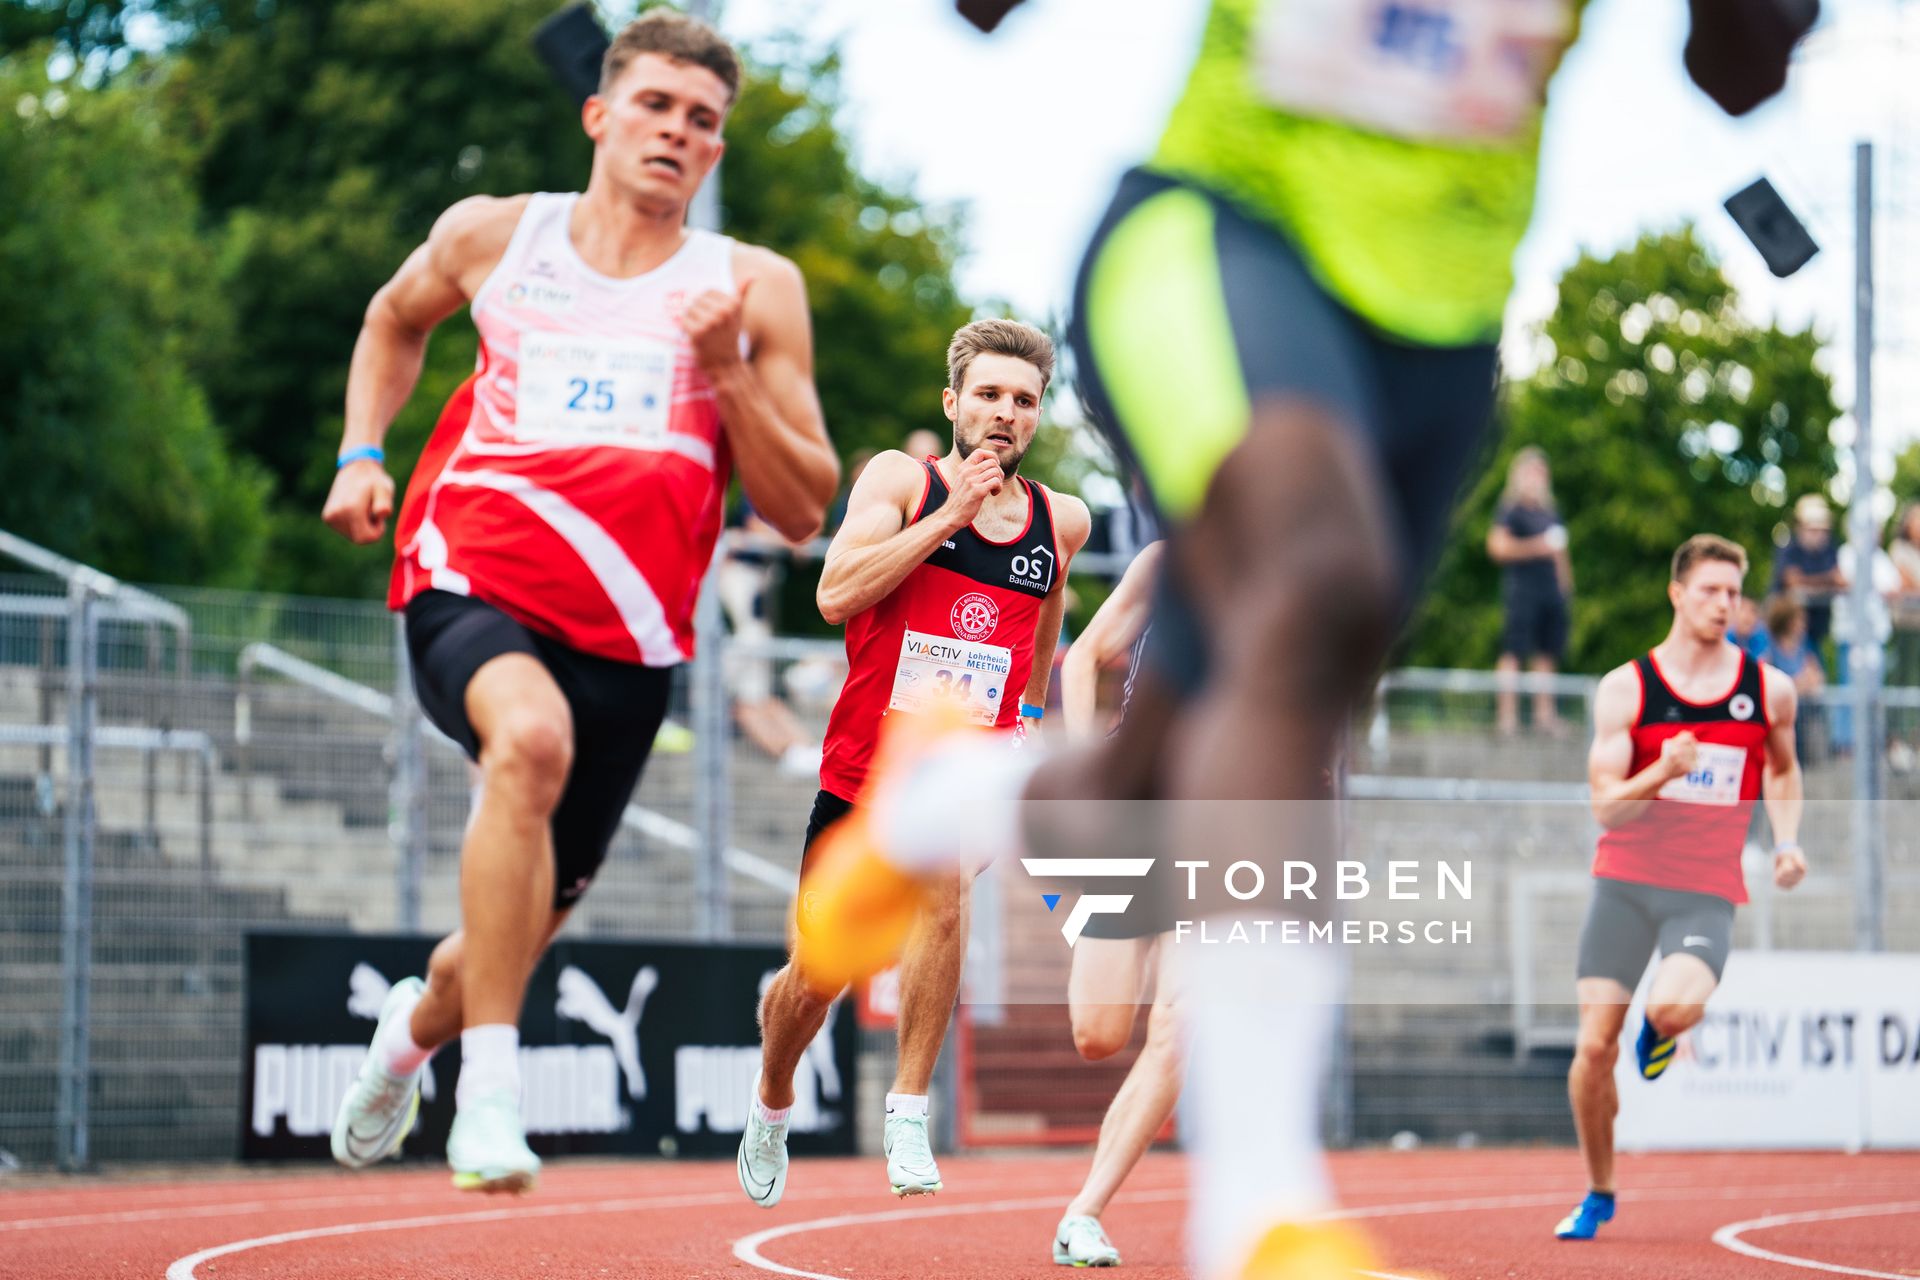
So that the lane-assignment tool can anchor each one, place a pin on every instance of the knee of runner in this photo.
(1596, 1053)
(1101, 1030)
(532, 749)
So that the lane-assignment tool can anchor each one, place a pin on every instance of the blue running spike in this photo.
(1653, 1054)
(1051, 899)
(1585, 1220)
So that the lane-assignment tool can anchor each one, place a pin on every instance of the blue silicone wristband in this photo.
(1031, 712)
(365, 453)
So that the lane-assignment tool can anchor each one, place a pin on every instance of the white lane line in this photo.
(747, 1248)
(1728, 1237)
(184, 1268)
(237, 1209)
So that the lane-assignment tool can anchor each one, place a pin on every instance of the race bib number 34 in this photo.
(609, 390)
(1715, 779)
(935, 669)
(1461, 70)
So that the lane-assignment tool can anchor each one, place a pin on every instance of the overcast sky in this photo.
(1030, 127)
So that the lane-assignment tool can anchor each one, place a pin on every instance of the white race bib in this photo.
(609, 390)
(935, 669)
(1715, 779)
(1465, 70)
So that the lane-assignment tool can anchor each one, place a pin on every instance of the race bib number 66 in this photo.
(1460, 70)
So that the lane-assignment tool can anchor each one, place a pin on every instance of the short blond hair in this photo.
(1000, 338)
(1707, 546)
(676, 36)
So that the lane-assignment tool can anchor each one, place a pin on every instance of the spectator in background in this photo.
(1785, 645)
(922, 444)
(1787, 648)
(1809, 566)
(1904, 551)
(1529, 544)
(1748, 629)
(755, 551)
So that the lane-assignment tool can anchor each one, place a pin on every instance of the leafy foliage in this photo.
(110, 452)
(1665, 412)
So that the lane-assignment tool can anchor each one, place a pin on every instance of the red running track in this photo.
(1436, 1215)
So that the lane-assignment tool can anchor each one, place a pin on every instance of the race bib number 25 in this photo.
(1459, 70)
(611, 390)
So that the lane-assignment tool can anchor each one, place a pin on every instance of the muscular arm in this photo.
(1071, 525)
(768, 403)
(437, 279)
(1112, 630)
(1618, 799)
(1780, 787)
(876, 548)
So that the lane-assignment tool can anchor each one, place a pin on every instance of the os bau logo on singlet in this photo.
(1034, 569)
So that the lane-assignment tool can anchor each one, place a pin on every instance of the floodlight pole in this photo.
(712, 728)
(1863, 651)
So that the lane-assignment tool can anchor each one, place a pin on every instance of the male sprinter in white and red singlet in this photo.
(557, 532)
(1686, 739)
(950, 575)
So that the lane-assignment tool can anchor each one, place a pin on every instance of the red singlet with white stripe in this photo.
(960, 626)
(576, 481)
(1691, 835)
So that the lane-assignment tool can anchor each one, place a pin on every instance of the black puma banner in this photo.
(627, 1048)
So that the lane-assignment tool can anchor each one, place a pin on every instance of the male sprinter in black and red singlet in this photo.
(950, 575)
(1685, 740)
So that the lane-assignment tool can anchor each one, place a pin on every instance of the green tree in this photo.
(107, 445)
(1665, 412)
(1906, 474)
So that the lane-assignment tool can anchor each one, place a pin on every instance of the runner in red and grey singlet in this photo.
(1686, 738)
(1691, 835)
(962, 625)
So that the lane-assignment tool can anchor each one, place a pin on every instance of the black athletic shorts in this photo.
(1626, 921)
(617, 708)
(1187, 312)
(1536, 626)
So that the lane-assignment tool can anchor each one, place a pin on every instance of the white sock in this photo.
(770, 1115)
(907, 1104)
(959, 808)
(394, 1048)
(1259, 1021)
(489, 1062)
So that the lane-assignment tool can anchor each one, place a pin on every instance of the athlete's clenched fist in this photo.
(360, 501)
(712, 323)
(979, 479)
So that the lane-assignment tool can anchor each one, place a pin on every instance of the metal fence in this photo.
(180, 766)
